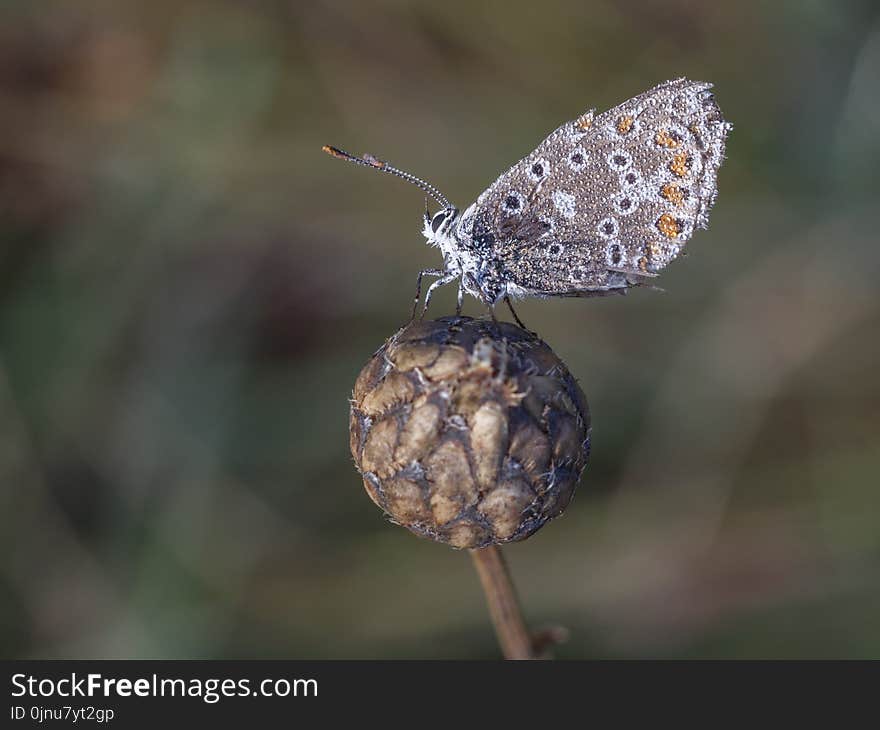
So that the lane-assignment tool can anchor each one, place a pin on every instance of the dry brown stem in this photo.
(514, 637)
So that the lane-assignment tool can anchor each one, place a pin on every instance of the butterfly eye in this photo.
(438, 221)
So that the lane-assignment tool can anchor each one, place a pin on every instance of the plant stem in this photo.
(514, 637)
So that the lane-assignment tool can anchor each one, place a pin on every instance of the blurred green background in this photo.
(188, 288)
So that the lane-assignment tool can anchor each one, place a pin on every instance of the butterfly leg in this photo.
(425, 272)
(460, 300)
(513, 312)
(446, 278)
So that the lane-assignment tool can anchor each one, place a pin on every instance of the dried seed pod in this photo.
(469, 432)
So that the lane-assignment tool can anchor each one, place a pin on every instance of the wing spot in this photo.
(624, 124)
(546, 226)
(564, 203)
(614, 254)
(668, 225)
(680, 164)
(660, 253)
(619, 160)
(654, 250)
(665, 138)
(624, 203)
(608, 227)
(577, 160)
(513, 202)
(584, 122)
(539, 170)
(673, 193)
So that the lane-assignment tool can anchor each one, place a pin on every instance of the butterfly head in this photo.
(439, 228)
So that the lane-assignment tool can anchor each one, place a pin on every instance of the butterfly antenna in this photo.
(370, 161)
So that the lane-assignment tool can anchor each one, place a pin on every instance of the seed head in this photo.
(469, 432)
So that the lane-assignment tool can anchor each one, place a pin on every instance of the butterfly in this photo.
(603, 204)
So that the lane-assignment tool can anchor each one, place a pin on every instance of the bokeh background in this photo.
(188, 288)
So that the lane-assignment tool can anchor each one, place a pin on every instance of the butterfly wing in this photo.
(606, 200)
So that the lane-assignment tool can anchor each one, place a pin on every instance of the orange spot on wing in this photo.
(679, 164)
(624, 124)
(665, 139)
(585, 121)
(672, 193)
(668, 226)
